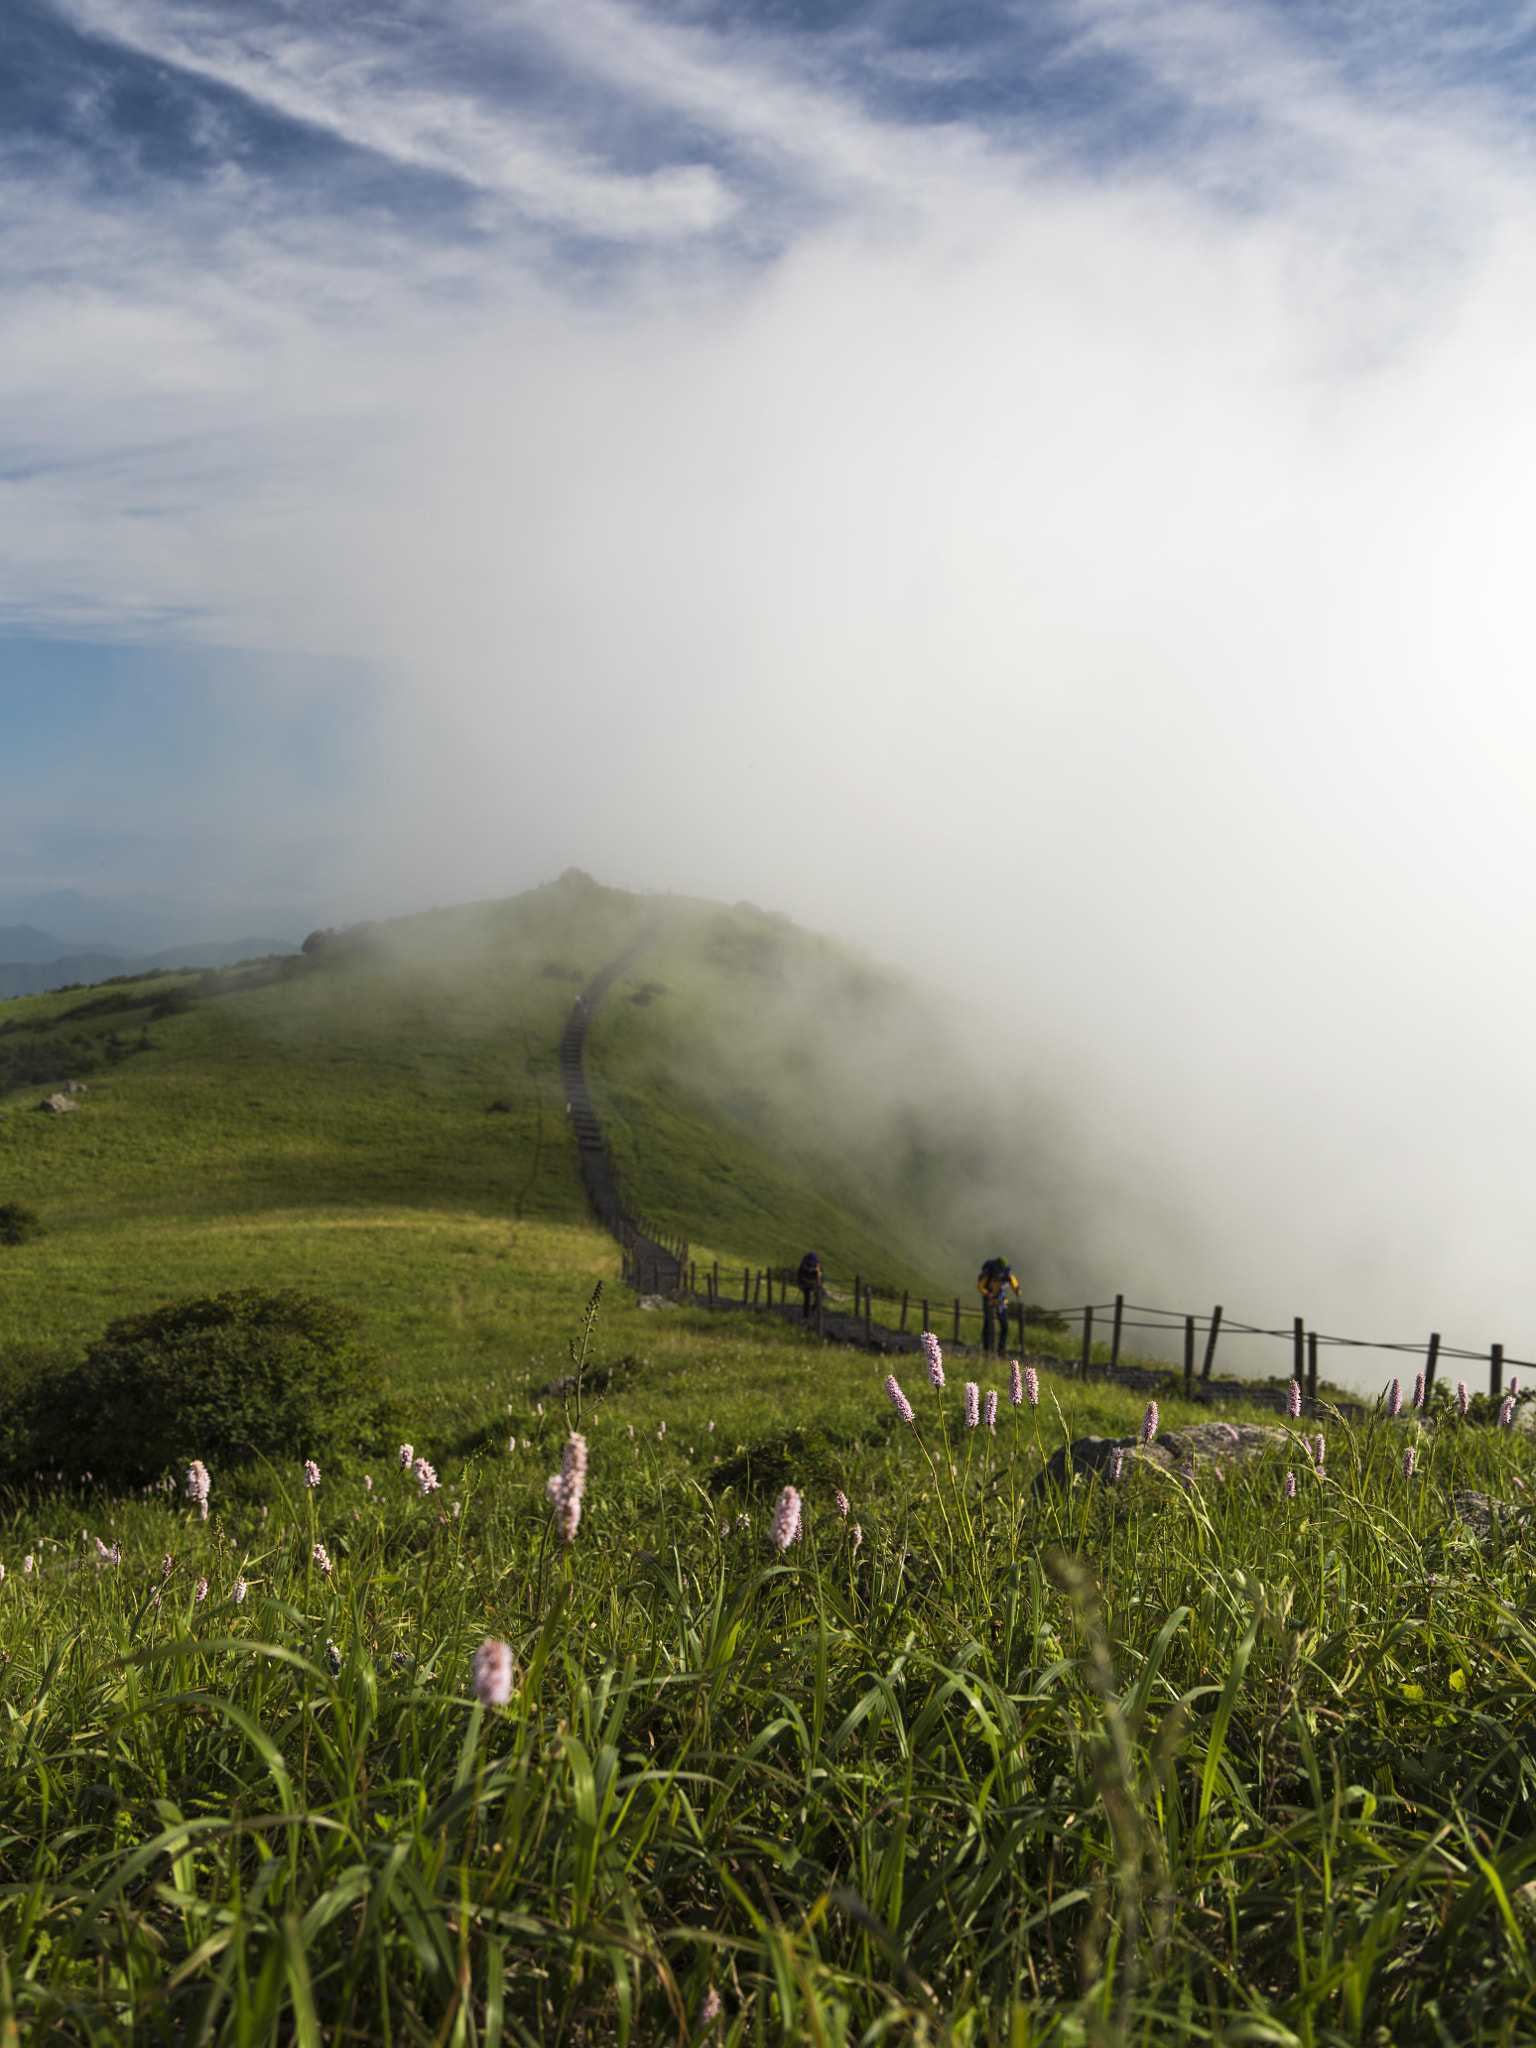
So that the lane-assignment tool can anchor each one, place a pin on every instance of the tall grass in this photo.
(1157, 1761)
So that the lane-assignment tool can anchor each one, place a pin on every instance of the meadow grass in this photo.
(1145, 1762)
(1149, 1762)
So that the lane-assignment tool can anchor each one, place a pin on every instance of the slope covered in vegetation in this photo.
(379, 1120)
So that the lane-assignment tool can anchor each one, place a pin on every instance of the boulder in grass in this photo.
(1198, 1444)
(1222, 1443)
(1091, 1457)
(56, 1105)
(1483, 1517)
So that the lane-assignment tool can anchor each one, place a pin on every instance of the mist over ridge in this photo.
(1039, 493)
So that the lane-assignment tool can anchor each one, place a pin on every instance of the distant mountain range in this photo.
(135, 922)
(33, 961)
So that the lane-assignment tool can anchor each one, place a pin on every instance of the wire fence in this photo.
(889, 1310)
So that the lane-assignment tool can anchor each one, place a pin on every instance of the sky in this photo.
(1039, 490)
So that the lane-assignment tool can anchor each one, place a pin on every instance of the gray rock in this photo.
(1482, 1516)
(1221, 1443)
(56, 1105)
(1091, 1456)
(1198, 1443)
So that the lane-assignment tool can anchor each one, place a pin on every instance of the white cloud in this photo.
(1107, 599)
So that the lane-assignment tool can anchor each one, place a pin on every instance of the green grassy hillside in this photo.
(328, 1122)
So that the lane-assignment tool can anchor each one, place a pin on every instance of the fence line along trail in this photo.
(656, 1262)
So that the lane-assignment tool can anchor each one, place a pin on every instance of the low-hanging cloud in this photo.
(1091, 577)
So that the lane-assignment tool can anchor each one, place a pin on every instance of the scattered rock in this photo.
(654, 1301)
(498, 1108)
(1221, 1443)
(76, 1088)
(1481, 1515)
(1091, 1456)
(1199, 1443)
(56, 1105)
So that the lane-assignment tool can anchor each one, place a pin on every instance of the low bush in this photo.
(17, 1223)
(231, 1378)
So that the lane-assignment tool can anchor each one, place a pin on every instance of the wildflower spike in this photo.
(492, 1673)
(786, 1518)
(935, 1358)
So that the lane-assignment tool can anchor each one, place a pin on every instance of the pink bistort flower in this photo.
(786, 1518)
(935, 1358)
(199, 1485)
(492, 1673)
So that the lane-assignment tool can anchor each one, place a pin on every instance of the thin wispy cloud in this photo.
(337, 78)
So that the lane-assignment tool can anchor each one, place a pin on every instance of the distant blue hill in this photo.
(25, 942)
(32, 976)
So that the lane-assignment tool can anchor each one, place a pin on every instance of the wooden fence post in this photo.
(1299, 1349)
(957, 1319)
(927, 1319)
(1430, 1362)
(693, 1278)
(1311, 1365)
(1087, 1340)
(1189, 1358)
(1496, 1372)
(857, 1288)
(746, 1285)
(1114, 1342)
(1210, 1343)
(869, 1318)
(904, 1311)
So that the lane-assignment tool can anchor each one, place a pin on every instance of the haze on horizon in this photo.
(1038, 490)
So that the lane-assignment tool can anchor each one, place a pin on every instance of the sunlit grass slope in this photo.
(328, 1123)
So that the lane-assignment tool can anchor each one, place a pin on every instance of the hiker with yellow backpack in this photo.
(994, 1283)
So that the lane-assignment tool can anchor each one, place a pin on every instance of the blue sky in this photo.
(886, 461)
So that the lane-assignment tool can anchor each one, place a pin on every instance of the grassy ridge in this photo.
(327, 1123)
(1150, 1763)
(1147, 1763)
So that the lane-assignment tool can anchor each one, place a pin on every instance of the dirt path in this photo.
(656, 1263)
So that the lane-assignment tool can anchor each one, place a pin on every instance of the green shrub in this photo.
(17, 1223)
(806, 1458)
(229, 1378)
